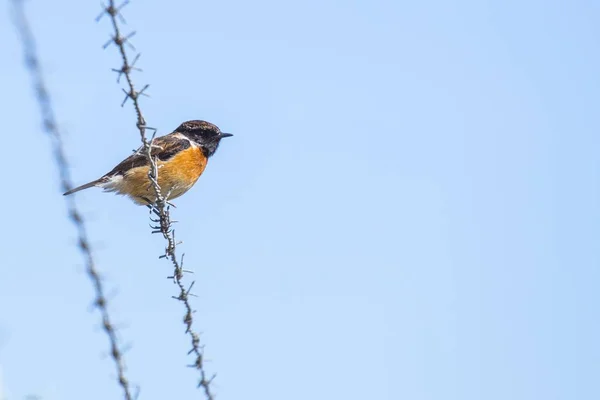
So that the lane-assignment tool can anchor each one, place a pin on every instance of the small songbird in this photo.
(180, 156)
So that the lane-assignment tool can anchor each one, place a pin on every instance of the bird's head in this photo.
(206, 135)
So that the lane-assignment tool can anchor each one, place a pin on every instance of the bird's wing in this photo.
(163, 148)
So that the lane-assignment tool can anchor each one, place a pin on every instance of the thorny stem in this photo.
(50, 126)
(160, 207)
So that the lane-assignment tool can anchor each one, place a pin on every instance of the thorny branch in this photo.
(50, 126)
(160, 206)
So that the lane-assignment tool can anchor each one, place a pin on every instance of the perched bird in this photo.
(180, 156)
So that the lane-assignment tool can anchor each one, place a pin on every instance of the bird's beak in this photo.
(224, 135)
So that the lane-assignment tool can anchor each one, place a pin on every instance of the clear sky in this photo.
(409, 208)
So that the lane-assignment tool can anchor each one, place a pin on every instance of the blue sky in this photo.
(408, 209)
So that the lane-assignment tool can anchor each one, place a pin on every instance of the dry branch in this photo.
(160, 207)
(32, 63)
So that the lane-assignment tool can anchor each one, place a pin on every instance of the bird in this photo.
(181, 157)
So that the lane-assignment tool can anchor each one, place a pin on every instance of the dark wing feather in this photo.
(163, 148)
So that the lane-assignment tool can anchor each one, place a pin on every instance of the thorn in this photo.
(125, 40)
(135, 59)
(127, 96)
(123, 4)
(141, 92)
(122, 18)
(190, 288)
(105, 45)
(126, 68)
(103, 13)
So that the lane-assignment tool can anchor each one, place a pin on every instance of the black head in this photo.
(203, 133)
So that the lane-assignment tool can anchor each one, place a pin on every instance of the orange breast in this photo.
(175, 176)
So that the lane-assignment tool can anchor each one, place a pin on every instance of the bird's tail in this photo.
(86, 186)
